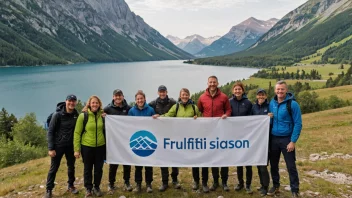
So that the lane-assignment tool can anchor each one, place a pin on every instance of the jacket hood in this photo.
(112, 104)
(218, 92)
(244, 96)
(190, 101)
(144, 107)
(289, 96)
(61, 107)
(265, 102)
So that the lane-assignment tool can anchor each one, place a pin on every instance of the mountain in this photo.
(143, 143)
(300, 33)
(36, 32)
(192, 44)
(239, 38)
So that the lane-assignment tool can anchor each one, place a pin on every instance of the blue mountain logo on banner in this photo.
(143, 143)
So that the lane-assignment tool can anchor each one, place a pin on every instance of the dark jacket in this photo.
(162, 106)
(111, 109)
(215, 106)
(241, 107)
(262, 109)
(61, 127)
(283, 123)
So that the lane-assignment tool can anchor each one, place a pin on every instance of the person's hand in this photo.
(155, 116)
(103, 115)
(224, 116)
(195, 117)
(52, 153)
(77, 155)
(291, 147)
(271, 115)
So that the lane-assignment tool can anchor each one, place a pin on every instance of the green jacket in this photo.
(183, 111)
(93, 135)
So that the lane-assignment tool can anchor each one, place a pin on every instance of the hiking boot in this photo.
(97, 192)
(138, 188)
(205, 188)
(273, 190)
(149, 188)
(163, 187)
(176, 185)
(88, 193)
(239, 187)
(48, 194)
(111, 189)
(72, 190)
(214, 186)
(128, 187)
(195, 186)
(263, 191)
(249, 190)
(260, 188)
(225, 187)
(295, 194)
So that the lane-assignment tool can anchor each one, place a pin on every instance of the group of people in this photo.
(83, 135)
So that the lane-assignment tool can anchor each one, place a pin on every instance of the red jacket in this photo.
(214, 106)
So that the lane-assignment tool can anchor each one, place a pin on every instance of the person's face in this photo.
(261, 97)
(94, 105)
(238, 91)
(184, 96)
(212, 84)
(71, 104)
(162, 94)
(281, 90)
(140, 100)
(118, 98)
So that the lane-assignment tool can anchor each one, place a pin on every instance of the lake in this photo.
(38, 89)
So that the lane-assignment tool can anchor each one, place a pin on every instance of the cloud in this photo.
(149, 5)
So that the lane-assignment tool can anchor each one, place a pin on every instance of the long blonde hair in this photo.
(85, 108)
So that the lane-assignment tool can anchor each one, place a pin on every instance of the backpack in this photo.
(47, 123)
(193, 106)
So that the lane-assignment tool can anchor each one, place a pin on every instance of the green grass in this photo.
(264, 83)
(327, 131)
(320, 52)
(324, 70)
(343, 92)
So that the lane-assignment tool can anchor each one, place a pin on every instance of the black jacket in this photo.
(61, 127)
(262, 109)
(241, 107)
(111, 109)
(162, 106)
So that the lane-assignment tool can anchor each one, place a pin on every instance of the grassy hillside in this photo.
(327, 131)
(344, 92)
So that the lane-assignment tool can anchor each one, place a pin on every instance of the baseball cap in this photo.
(71, 97)
(260, 90)
(117, 91)
(162, 88)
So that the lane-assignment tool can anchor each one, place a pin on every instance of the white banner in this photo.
(186, 142)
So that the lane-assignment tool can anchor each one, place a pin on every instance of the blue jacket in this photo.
(146, 111)
(241, 107)
(262, 109)
(283, 124)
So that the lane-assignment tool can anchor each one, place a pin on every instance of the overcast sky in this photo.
(206, 17)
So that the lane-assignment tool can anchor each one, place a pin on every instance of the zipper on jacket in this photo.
(96, 131)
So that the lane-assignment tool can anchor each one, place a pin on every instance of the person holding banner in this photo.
(286, 129)
(162, 105)
(118, 106)
(184, 108)
(213, 103)
(261, 107)
(142, 109)
(241, 106)
(89, 140)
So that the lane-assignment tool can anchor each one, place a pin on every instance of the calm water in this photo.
(39, 89)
